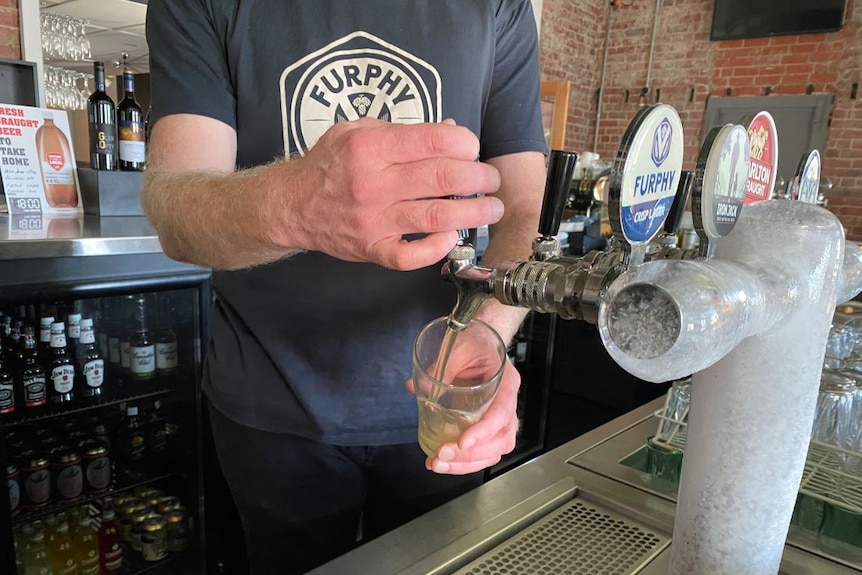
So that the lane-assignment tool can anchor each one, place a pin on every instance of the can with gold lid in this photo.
(36, 479)
(137, 519)
(154, 538)
(167, 503)
(152, 498)
(179, 532)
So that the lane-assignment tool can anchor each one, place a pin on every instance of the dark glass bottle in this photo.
(130, 124)
(61, 372)
(102, 118)
(166, 340)
(142, 349)
(32, 377)
(156, 431)
(135, 436)
(91, 363)
(8, 393)
(45, 322)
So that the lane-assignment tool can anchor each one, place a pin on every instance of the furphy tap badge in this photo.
(763, 151)
(653, 148)
(357, 76)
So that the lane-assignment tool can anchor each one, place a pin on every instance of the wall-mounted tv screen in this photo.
(733, 19)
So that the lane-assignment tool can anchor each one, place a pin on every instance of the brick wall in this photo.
(10, 39)
(687, 68)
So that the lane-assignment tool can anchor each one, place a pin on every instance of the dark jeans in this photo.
(301, 502)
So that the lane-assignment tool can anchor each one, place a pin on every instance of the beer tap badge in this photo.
(724, 165)
(808, 176)
(763, 169)
(653, 149)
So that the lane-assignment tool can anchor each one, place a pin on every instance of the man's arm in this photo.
(353, 196)
(523, 180)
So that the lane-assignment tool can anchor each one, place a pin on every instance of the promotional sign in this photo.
(722, 179)
(808, 178)
(37, 163)
(763, 169)
(652, 149)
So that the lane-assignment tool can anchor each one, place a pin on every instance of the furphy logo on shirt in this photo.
(355, 77)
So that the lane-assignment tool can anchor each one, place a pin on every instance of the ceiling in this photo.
(115, 27)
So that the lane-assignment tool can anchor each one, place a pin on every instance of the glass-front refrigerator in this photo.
(101, 343)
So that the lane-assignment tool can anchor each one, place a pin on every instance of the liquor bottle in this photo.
(166, 340)
(110, 544)
(102, 118)
(73, 333)
(156, 432)
(85, 545)
(130, 122)
(45, 322)
(8, 391)
(62, 368)
(92, 365)
(55, 162)
(13, 343)
(135, 438)
(33, 380)
(142, 349)
(126, 309)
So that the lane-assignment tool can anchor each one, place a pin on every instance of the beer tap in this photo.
(668, 240)
(643, 183)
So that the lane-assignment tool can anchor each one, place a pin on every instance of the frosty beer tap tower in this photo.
(748, 315)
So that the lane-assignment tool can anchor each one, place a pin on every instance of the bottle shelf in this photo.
(126, 482)
(54, 411)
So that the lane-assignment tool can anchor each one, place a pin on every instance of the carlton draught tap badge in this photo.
(355, 77)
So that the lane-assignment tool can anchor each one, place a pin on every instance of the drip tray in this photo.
(579, 537)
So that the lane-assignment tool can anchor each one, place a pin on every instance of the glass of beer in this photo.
(455, 376)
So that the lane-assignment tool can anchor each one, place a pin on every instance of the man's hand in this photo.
(367, 183)
(488, 440)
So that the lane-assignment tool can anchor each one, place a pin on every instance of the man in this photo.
(327, 264)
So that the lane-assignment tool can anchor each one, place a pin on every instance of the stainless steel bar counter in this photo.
(576, 509)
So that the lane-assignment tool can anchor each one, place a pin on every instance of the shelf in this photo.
(54, 411)
(30, 515)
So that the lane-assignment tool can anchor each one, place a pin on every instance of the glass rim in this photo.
(495, 379)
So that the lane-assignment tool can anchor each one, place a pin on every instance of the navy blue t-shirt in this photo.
(312, 345)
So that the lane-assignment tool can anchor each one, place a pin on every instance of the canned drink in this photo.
(154, 538)
(179, 532)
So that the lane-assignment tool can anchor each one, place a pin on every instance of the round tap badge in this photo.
(720, 193)
(809, 178)
(763, 150)
(651, 154)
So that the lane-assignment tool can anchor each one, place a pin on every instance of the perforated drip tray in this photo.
(577, 538)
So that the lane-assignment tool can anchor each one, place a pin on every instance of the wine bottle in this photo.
(130, 121)
(102, 118)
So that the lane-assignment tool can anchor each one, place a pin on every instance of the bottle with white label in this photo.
(90, 363)
(142, 349)
(73, 332)
(166, 340)
(61, 371)
(130, 128)
(7, 387)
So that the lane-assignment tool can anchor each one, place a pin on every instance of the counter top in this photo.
(40, 236)
(513, 520)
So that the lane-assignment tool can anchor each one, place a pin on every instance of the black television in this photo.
(735, 19)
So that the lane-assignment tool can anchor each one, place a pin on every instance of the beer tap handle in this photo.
(677, 209)
(561, 168)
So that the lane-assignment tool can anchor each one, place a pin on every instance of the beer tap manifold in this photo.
(644, 180)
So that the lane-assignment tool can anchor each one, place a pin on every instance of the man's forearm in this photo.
(222, 221)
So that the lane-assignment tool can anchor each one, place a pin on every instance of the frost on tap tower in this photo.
(747, 313)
